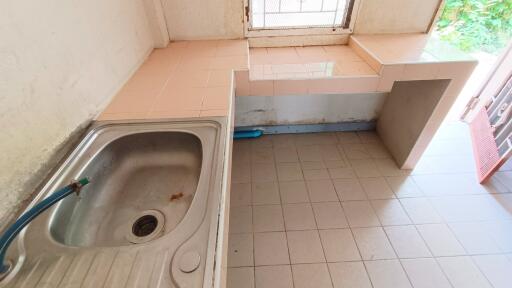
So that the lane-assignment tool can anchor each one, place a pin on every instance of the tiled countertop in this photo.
(186, 79)
(195, 78)
(408, 49)
(306, 63)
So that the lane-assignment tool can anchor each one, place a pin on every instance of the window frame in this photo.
(294, 31)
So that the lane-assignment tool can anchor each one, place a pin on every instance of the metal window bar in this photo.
(302, 12)
(336, 13)
(342, 7)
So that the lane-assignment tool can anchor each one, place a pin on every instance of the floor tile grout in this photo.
(493, 217)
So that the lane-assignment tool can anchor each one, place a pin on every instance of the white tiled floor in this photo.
(332, 210)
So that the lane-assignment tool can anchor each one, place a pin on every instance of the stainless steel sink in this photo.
(148, 218)
(130, 175)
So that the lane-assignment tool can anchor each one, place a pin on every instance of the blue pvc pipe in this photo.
(246, 134)
(11, 232)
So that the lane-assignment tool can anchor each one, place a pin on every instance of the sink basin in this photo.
(148, 218)
(130, 175)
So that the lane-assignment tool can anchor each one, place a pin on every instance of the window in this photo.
(299, 14)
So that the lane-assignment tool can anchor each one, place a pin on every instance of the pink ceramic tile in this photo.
(200, 48)
(311, 54)
(177, 97)
(213, 113)
(390, 74)
(290, 87)
(344, 85)
(149, 79)
(178, 49)
(284, 55)
(451, 70)
(359, 84)
(220, 78)
(138, 94)
(281, 51)
(130, 103)
(194, 63)
(257, 71)
(232, 48)
(420, 71)
(261, 88)
(343, 52)
(229, 62)
(320, 66)
(352, 68)
(172, 82)
(258, 56)
(408, 48)
(242, 83)
(287, 68)
(122, 116)
(177, 45)
(323, 86)
(242, 89)
(202, 44)
(364, 54)
(217, 98)
(163, 58)
(192, 78)
(241, 76)
(296, 76)
(173, 113)
(143, 85)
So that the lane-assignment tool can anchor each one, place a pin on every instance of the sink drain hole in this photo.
(144, 225)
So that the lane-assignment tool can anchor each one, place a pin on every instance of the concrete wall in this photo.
(395, 16)
(407, 110)
(204, 19)
(210, 19)
(307, 109)
(60, 63)
(156, 21)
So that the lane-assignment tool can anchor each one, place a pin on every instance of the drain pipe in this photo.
(11, 232)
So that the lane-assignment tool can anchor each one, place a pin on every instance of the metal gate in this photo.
(491, 127)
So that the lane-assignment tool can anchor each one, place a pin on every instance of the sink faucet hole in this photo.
(145, 225)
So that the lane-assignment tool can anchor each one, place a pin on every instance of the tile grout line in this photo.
(398, 257)
(160, 92)
(282, 214)
(361, 256)
(392, 247)
(442, 271)
(425, 197)
(433, 256)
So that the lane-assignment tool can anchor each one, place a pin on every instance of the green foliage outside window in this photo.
(476, 25)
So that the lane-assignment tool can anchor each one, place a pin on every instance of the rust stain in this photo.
(176, 196)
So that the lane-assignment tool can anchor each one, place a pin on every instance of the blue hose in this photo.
(11, 232)
(245, 134)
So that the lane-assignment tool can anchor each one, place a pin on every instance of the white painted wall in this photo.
(395, 16)
(204, 19)
(60, 63)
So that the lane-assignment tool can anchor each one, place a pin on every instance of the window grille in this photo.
(284, 14)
